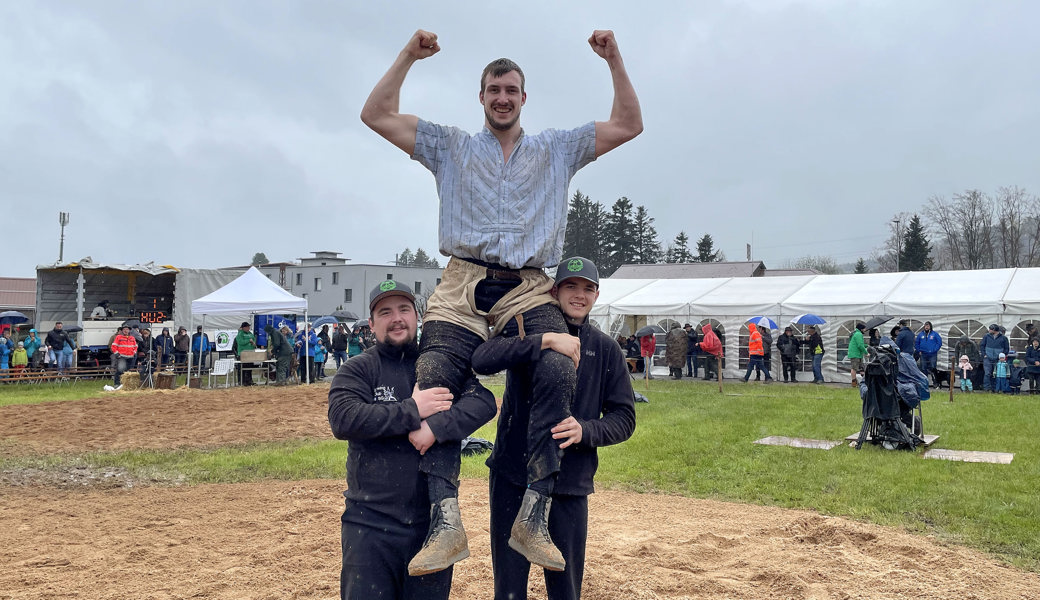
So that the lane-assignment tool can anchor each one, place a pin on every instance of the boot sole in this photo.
(547, 565)
(427, 569)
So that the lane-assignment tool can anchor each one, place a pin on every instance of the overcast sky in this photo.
(198, 133)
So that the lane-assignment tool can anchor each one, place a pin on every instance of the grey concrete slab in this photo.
(1000, 458)
(779, 440)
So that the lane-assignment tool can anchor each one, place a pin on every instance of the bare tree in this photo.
(820, 264)
(1010, 204)
(965, 226)
(885, 255)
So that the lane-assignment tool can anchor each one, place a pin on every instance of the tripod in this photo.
(146, 373)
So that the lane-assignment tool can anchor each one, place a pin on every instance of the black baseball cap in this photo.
(577, 267)
(388, 288)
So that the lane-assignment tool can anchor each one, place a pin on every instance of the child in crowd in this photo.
(1015, 377)
(1001, 371)
(964, 370)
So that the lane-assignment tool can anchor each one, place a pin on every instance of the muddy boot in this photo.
(530, 533)
(446, 542)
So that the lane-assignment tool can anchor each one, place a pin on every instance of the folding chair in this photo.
(223, 367)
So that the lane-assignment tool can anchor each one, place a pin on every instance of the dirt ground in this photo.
(83, 534)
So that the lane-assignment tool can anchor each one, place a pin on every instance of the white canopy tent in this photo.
(252, 293)
(956, 302)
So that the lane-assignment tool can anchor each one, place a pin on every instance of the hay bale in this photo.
(131, 380)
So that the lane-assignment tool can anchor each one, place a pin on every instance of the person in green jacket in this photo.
(245, 341)
(857, 350)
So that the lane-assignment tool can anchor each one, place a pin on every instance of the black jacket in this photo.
(692, 343)
(603, 404)
(340, 341)
(370, 405)
(56, 340)
(788, 345)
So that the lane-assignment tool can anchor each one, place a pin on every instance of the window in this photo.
(438, 281)
(348, 295)
(335, 278)
(317, 284)
(299, 279)
(418, 288)
(305, 294)
(389, 275)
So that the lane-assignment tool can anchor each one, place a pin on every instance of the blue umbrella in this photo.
(12, 317)
(763, 322)
(808, 319)
(330, 320)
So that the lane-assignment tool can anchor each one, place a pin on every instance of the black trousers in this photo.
(787, 364)
(446, 350)
(376, 551)
(568, 527)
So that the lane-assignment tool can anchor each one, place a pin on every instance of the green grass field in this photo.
(692, 441)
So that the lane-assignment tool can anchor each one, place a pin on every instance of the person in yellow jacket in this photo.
(19, 358)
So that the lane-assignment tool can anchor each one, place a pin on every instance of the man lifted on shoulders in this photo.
(503, 216)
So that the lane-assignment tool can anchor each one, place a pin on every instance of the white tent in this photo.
(956, 302)
(252, 293)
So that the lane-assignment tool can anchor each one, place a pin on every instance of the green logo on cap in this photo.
(388, 285)
(574, 265)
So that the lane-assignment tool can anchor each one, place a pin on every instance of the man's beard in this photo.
(496, 125)
(404, 344)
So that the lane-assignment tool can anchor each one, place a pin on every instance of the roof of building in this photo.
(17, 292)
(698, 270)
(789, 272)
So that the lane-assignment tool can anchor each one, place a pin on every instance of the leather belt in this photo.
(503, 275)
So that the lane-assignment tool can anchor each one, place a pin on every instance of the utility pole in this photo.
(63, 220)
(897, 222)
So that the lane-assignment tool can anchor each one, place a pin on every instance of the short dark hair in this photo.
(500, 67)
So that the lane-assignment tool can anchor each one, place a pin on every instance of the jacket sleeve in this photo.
(475, 407)
(501, 353)
(617, 421)
(353, 415)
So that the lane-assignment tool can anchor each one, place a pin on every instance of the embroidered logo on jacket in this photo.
(384, 393)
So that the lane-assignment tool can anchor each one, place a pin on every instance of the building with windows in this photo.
(329, 282)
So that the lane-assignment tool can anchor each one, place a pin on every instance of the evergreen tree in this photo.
(424, 260)
(915, 254)
(259, 259)
(680, 249)
(706, 251)
(585, 223)
(405, 258)
(620, 236)
(648, 247)
(861, 267)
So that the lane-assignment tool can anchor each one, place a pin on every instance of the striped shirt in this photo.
(513, 213)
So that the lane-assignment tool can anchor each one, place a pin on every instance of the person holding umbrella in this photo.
(756, 353)
(788, 345)
(815, 343)
(647, 347)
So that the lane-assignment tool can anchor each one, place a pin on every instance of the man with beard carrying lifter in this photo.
(603, 414)
(503, 216)
(397, 434)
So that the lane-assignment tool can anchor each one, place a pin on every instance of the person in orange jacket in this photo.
(756, 354)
